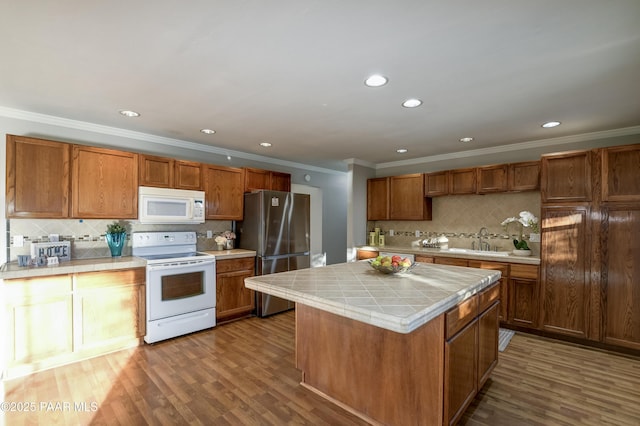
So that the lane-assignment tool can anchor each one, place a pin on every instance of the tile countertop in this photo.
(528, 260)
(354, 290)
(12, 270)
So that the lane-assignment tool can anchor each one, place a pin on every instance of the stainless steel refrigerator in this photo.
(276, 226)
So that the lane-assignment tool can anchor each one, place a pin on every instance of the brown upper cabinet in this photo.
(462, 181)
(621, 173)
(566, 177)
(105, 183)
(406, 198)
(398, 198)
(156, 171)
(256, 179)
(224, 192)
(166, 172)
(436, 184)
(378, 199)
(524, 176)
(37, 178)
(492, 179)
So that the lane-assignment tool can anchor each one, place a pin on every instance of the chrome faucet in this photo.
(483, 245)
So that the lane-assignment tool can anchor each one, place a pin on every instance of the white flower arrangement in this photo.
(220, 239)
(526, 219)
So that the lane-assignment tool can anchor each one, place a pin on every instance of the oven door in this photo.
(180, 288)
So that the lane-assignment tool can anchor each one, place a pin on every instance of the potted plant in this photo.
(116, 236)
(526, 219)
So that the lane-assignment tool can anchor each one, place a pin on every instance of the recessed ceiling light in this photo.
(265, 144)
(550, 124)
(467, 139)
(128, 113)
(402, 150)
(376, 80)
(207, 131)
(412, 103)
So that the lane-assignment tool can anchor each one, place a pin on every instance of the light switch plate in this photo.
(18, 240)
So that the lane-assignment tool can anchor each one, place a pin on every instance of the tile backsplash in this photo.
(460, 218)
(87, 235)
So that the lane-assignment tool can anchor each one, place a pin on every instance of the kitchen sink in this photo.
(478, 252)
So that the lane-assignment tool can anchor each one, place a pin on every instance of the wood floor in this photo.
(243, 373)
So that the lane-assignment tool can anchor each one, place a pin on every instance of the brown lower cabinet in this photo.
(54, 320)
(233, 299)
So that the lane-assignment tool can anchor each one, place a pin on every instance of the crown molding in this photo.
(563, 140)
(358, 162)
(147, 137)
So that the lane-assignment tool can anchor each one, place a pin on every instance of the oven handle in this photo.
(176, 265)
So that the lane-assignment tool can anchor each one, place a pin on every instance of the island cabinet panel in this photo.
(488, 339)
(620, 273)
(39, 322)
(523, 295)
(436, 184)
(233, 299)
(110, 310)
(493, 179)
(156, 171)
(378, 199)
(566, 177)
(621, 173)
(565, 266)
(38, 174)
(406, 198)
(188, 175)
(461, 372)
(379, 375)
(224, 191)
(104, 183)
(462, 181)
(524, 176)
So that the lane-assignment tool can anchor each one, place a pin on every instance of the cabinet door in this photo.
(224, 188)
(378, 199)
(233, 299)
(460, 372)
(104, 183)
(110, 309)
(566, 177)
(37, 178)
(280, 181)
(39, 321)
(621, 173)
(502, 282)
(424, 259)
(492, 179)
(406, 198)
(621, 275)
(462, 181)
(488, 336)
(524, 176)
(156, 171)
(188, 175)
(523, 296)
(565, 269)
(256, 179)
(436, 184)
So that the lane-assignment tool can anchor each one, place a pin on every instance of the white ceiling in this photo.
(291, 72)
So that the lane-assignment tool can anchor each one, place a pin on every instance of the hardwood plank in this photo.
(243, 373)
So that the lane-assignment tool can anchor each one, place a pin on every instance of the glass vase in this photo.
(116, 243)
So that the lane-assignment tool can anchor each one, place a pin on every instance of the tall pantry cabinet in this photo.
(590, 275)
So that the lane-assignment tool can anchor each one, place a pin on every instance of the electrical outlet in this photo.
(209, 234)
(417, 233)
(18, 240)
(391, 232)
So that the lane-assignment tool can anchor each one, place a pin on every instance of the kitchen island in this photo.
(400, 349)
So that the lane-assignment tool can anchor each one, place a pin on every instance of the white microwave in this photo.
(170, 206)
